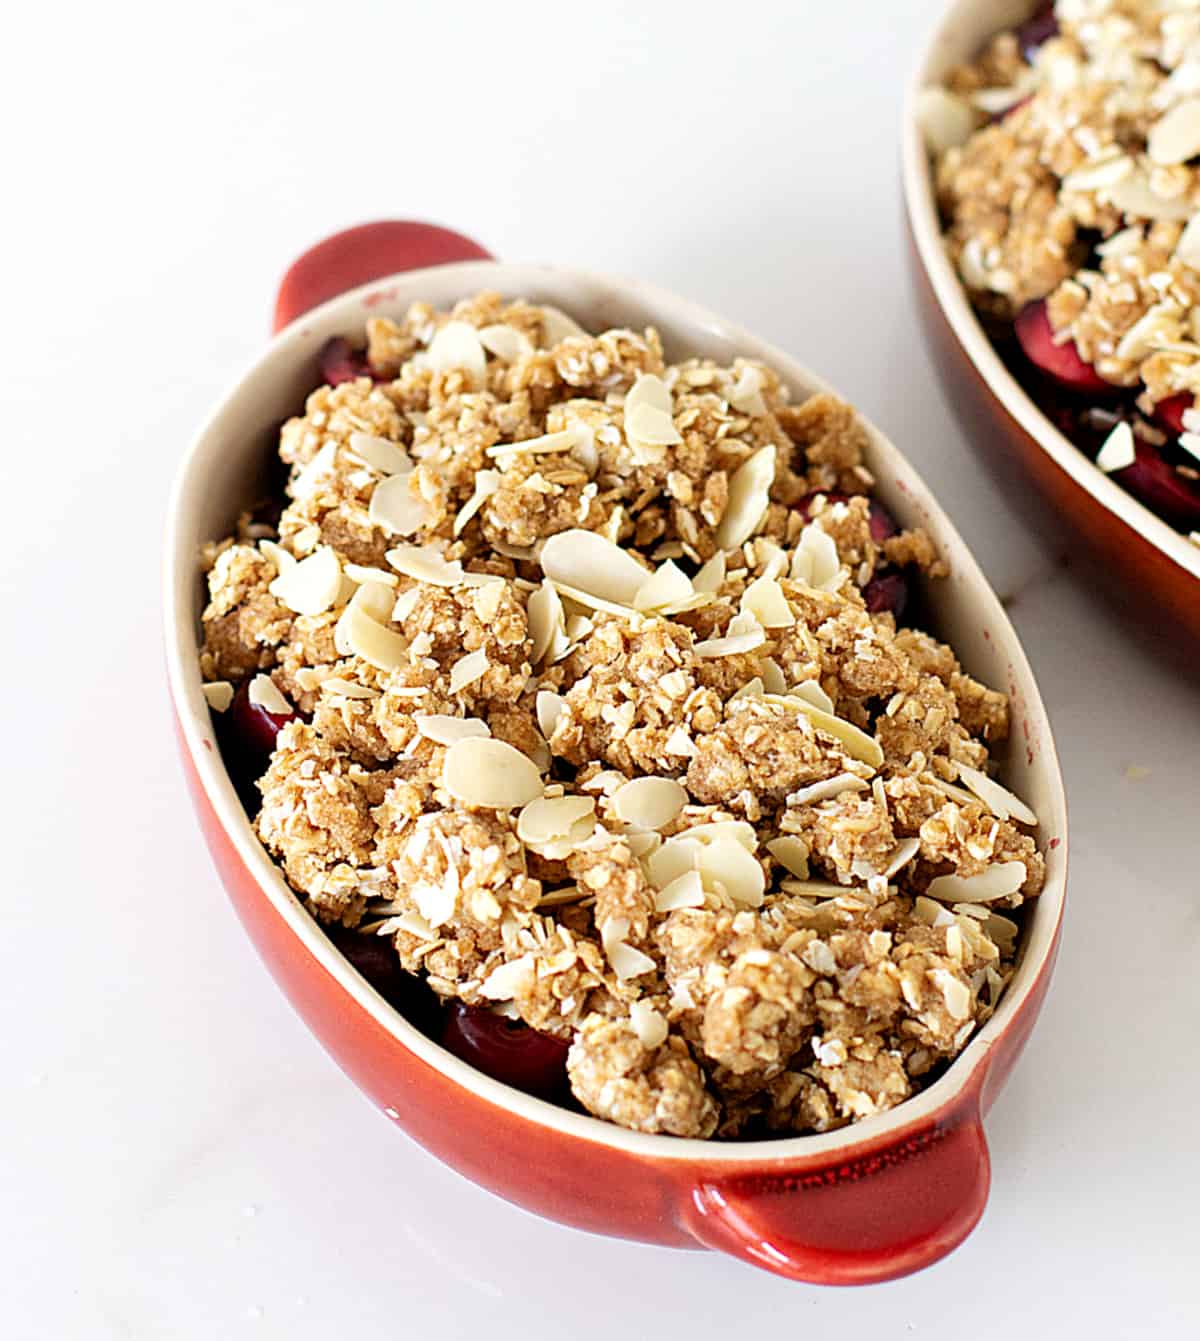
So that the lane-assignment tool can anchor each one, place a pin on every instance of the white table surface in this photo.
(178, 1158)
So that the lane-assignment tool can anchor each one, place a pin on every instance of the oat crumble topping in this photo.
(587, 715)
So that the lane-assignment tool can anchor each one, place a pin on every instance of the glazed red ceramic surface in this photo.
(1157, 568)
(868, 1203)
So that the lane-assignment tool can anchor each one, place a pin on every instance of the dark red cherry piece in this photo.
(377, 961)
(1168, 414)
(887, 591)
(506, 1050)
(1059, 361)
(1039, 28)
(341, 362)
(1155, 482)
(254, 728)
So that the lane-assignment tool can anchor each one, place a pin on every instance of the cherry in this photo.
(1154, 481)
(1059, 361)
(1039, 28)
(377, 961)
(254, 727)
(1169, 413)
(887, 590)
(506, 1050)
(341, 362)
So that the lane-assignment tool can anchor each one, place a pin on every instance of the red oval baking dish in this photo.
(867, 1203)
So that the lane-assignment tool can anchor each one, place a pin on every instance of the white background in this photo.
(178, 1158)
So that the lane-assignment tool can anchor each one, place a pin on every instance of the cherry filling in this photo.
(341, 362)
(254, 726)
(1058, 361)
(887, 591)
(377, 961)
(507, 1050)
(1168, 414)
(1157, 483)
(1037, 29)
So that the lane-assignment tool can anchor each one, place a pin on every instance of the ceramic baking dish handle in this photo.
(856, 1221)
(359, 255)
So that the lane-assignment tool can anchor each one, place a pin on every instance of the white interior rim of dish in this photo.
(952, 299)
(391, 296)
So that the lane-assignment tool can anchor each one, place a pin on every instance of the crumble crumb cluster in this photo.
(594, 723)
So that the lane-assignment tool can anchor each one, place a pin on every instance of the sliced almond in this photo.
(365, 637)
(649, 390)
(397, 507)
(764, 599)
(996, 882)
(486, 484)
(437, 904)
(791, 853)
(1133, 196)
(549, 443)
(649, 803)
(685, 891)
(628, 962)
(481, 771)
(711, 576)
(218, 694)
(312, 585)
(905, 851)
(312, 476)
(383, 455)
(743, 634)
(737, 830)
(648, 424)
(827, 789)
(726, 864)
(811, 692)
(503, 983)
(457, 345)
(264, 693)
(277, 555)
(343, 688)
(749, 495)
(506, 342)
(546, 621)
(649, 1026)
(360, 574)
(773, 678)
(549, 818)
(426, 565)
(815, 560)
(592, 564)
(549, 707)
(467, 669)
(445, 730)
(674, 858)
(1176, 136)
(946, 120)
(557, 327)
(746, 394)
(667, 586)
(857, 744)
(999, 800)
(1187, 249)
(405, 604)
(1118, 451)
(415, 925)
